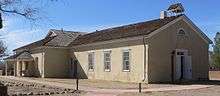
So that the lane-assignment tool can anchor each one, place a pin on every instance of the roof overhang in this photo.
(23, 56)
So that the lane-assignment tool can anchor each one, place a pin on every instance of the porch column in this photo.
(18, 68)
(23, 67)
(15, 67)
(6, 68)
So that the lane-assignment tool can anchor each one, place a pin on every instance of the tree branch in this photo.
(27, 14)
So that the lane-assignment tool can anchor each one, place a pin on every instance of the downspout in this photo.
(145, 61)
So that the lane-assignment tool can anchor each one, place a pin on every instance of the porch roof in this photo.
(25, 55)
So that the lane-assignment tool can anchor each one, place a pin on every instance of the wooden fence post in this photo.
(139, 87)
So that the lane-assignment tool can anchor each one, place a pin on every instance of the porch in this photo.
(21, 64)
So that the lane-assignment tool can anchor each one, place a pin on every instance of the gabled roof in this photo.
(21, 55)
(35, 44)
(55, 38)
(138, 29)
(63, 38)
(25, 55)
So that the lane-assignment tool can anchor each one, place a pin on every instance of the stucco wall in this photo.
(38, 66)
(57, 62)
(116, 74)
(161, 46)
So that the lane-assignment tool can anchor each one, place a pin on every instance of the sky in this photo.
(91, 15)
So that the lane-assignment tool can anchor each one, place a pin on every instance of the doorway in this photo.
(183, 66)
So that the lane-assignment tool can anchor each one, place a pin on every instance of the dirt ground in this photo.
(18, 87)
(102, 84)
(211, 91)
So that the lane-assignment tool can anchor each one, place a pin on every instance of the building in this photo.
(48, 57)
(168, 49)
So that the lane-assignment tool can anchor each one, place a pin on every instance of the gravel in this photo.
(20, 88)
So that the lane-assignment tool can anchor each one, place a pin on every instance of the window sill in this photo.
(91, 70)
(126, 70)
(107, 70)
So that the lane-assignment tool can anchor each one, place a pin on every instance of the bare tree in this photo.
(3, 49)
(29, 9)
(24, 8)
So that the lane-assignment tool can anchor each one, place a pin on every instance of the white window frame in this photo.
(181, 34)
(129, 60)
(104, 60)
(91, 63)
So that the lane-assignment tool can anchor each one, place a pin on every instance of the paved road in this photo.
(91, 91)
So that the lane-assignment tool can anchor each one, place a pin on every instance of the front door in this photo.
(183, 65)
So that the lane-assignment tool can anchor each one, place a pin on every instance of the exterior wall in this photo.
(162, 45)
(136, 73)
(38, 67)
(52, 62)
(57, 63)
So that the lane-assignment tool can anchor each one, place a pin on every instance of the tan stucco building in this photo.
(161, 50)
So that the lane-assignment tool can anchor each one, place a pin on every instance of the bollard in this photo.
(139, 87)
(77, 84)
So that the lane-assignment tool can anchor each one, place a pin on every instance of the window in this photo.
(126, 60)
(181, 32)
(91, 61)
(107, 60)
(36, 61)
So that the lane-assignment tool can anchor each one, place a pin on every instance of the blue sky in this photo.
(91, 15)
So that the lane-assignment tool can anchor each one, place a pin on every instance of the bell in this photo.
(176, 8)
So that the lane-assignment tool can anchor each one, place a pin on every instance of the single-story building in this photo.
(48, 57)
(171, 48)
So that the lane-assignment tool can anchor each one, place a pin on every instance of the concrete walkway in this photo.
(108, 92)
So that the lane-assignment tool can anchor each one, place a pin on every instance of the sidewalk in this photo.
(108, 92)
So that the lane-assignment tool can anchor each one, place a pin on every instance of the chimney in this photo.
(163, 14)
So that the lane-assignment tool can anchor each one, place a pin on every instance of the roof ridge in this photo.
(132, 24)
(124, 31)
(65, 31)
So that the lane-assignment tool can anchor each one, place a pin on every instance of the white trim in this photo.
(126, 50)
(185, 33)
(91, 52)
(103, 55)
(125, 70)
(107, 50)
(107, 70)
(181, 50)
